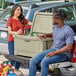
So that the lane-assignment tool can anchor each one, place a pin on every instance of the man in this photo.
(60, 50)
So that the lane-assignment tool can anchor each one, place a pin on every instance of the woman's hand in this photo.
(19, 32)
(36, 12)
(14, 32)
(30, 23)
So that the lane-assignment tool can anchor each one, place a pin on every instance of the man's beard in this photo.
(54, 23)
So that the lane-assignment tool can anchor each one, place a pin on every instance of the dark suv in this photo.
(29, 10)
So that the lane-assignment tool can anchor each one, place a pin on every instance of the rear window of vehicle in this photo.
(69, 11)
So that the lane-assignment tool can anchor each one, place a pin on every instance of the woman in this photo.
(15, 25)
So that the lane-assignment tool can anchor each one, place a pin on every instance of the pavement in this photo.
(26, 72)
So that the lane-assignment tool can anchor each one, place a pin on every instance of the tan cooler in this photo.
(31, 45)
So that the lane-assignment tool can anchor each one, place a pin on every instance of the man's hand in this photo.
(42, 36)
(50, 54)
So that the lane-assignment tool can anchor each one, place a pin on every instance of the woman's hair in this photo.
(21, 17)
(60, 14)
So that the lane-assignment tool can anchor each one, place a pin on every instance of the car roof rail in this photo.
(34, 6)
(27, 2)
(48, 2)
(31, 4)
(35, 3)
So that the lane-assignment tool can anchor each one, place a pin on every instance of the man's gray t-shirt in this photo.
(62, 36)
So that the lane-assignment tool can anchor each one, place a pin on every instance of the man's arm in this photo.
(46, 35)
(49, 35)
(68, 47)
(64, 49)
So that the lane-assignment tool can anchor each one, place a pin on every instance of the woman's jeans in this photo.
(45, 61)
(11, 52)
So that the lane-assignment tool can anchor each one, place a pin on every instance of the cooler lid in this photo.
(42, 23)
